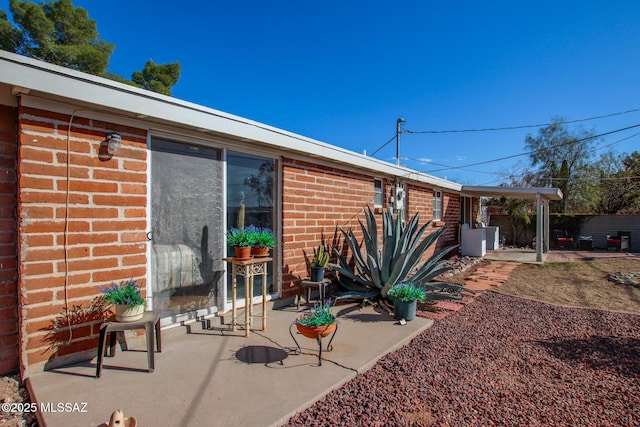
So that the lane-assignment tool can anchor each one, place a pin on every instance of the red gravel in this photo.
(501, 361)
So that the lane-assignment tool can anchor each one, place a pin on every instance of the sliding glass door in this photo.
(250, 193)
(187, 228)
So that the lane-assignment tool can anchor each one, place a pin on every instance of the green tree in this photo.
(59, 33)
(521, 211)
(560, 155)
(619, 183)
(632, 176)
(157, 77)
(611, 191)
(10, 37)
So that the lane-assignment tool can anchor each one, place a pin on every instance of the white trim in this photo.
(222, 303)
(513, 192)
(148, 227)
(437, 201)
(381, 181)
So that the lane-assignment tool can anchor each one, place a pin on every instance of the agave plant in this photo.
(396, 260)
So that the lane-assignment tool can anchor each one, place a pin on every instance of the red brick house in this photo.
(76, 216)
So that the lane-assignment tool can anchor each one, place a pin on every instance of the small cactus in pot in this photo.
(318, 264)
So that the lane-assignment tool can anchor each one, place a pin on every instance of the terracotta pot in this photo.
(242, 252)
(129, 313)
(316, 331)
(260, 252)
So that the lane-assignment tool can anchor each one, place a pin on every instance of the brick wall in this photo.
(71, 242)
(8, 243)
(420, 199)
(317, 202)
(104, 219)
(451, 217)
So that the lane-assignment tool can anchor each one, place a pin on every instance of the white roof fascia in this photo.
(513, 192)
(37, 76)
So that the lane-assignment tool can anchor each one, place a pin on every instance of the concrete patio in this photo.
(529, 255)
(212, 376)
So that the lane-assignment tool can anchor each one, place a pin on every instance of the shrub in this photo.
(126, 293)
(240, 237)
(408, 292)
(319, 315)
(262, 237)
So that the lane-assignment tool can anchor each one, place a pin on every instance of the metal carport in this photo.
(542, 197)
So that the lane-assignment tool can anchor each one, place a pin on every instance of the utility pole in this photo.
(398, 122)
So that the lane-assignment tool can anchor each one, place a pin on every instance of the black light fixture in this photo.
(114, 140)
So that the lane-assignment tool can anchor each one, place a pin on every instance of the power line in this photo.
(535, 151)
(521, 126)
(542, 149)
(560, 179)
(503, 128)
(452, 167)
(383, 145)
(613, 143)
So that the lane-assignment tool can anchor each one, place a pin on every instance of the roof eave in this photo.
(513, 192)
(56, 81)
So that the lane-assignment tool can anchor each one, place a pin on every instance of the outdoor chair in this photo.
(619, 242)
(563, 239)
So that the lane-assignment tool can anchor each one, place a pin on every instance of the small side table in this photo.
(149, 322)
(322, 289)
(248, 268)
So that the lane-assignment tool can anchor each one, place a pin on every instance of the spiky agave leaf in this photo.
(425, 272)
(345, 271)
(398, 258)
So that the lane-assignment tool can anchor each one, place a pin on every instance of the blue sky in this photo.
(343, 71)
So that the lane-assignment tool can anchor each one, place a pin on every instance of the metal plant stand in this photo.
(318, 339)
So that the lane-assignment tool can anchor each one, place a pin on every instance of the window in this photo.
(465, 210)
(378, 193)
(437, 205)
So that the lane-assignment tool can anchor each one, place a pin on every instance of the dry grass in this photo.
(580, 283)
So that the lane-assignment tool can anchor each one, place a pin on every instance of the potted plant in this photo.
(318, 264)
(262, 240)
(317, 322)
(405, 298)
(240, 239)
(127, 300)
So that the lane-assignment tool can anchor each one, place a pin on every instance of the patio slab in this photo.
(218, 377)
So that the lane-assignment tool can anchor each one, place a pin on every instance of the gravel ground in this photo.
(501, 361)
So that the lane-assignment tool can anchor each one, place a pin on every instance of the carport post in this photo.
(546, 225)
(539, 238)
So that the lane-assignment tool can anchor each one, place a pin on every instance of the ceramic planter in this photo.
(316, 331)
(404, 309)
(129, 313)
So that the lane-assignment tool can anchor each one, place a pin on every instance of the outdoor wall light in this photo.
(114, 141)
